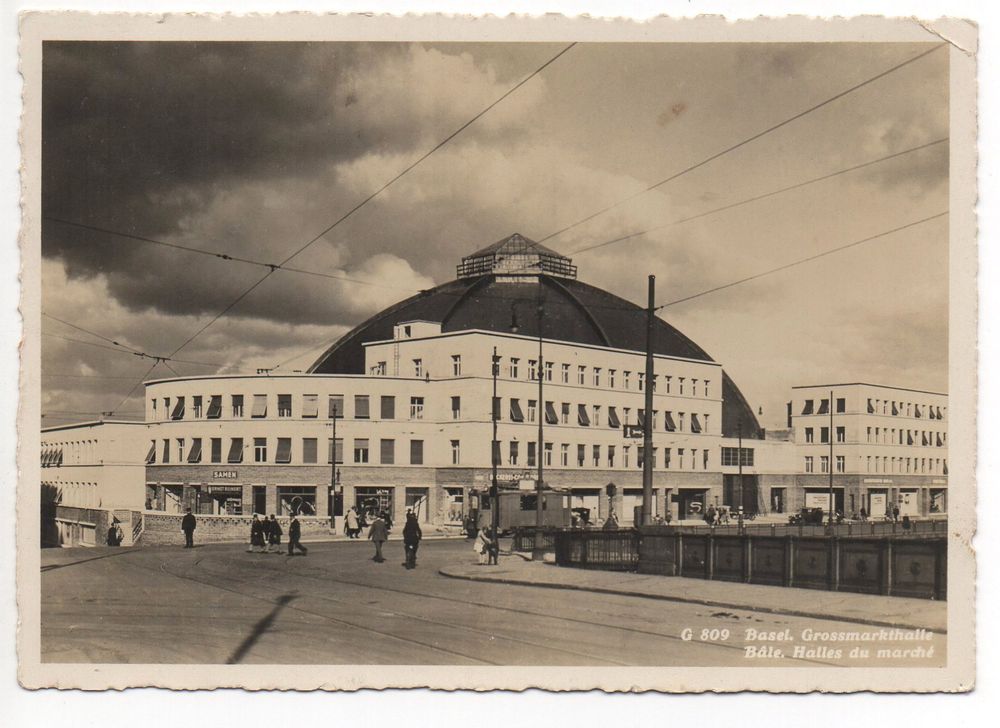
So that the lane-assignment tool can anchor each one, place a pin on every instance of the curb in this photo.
(691, 600)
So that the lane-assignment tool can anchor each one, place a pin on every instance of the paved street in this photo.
(219, 604)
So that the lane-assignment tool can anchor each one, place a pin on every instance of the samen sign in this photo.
(224, 474)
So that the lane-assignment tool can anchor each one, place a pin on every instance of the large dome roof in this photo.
(502, 283)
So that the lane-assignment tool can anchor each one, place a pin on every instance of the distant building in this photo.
(87, 468)
(889, 447)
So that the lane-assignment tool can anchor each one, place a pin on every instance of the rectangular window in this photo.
(284, 405)
(335, 406)
(166, 408)
(824, 434)
(284, 453)
(532, 407)
(456, 452)
(513, 452)
(564, 413)
(532, 369)
(194, 455)
(840, 463)
(550, 414)
(729, 456)
(215, 407)
(841, 434)
(565, 373)
(581, 455)
(310, 405)
(310, 450)
(216, 449)
(807, 407)
(180, 449)
(361, 449)
(388, 407)
(640, 456)
(166, 452)
(260, 449)
(235, 450)
(259, 406)
(706, 387)
(531, 455)
(680, 385)
(642, 382)
(597, 415)
(809, 463)
(666, 457)
(416, 452)
(418, 368)
(597, 456)
(695, 423)
(626, 380)
(416, 408)
(824, 464)
(626, 415)
(334, 449)
(548, 454)
(704, 460)
(196, 405)
(625, 454)
(516, 415)
(613, 420)
(387, 452)
(514, 368)
(178, 413)
(456, 408)
(548, 371)
(497, 414)
(361, 407)
(824, 407)
(377, 369)
(581, 415)
(611, 378)
(669, 380)
(841, 405)
(611, 456)
(496, 453)
(456, 365)
(581, 374)
(809, 434)
(154, 415)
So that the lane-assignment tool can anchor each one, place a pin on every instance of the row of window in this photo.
(211, 407)
(824, 464)
(693, 422)
(76, 452)
(256, 450)
(920, 466)
(584, 376)
(76, 494)
(905, 409)
(892, 436)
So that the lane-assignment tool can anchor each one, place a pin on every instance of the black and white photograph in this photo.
(428, 359)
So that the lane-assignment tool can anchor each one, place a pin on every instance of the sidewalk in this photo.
(869, 609)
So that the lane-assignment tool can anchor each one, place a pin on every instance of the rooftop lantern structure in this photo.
(516, 256)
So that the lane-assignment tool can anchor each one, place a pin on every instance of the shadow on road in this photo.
(260, 628)
(52, 567)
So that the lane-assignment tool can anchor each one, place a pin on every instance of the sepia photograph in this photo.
(497, 357)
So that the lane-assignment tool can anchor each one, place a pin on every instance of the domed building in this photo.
(412, 390)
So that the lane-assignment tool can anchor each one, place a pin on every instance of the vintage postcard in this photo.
(479, 353)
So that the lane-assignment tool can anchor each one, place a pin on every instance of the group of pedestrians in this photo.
(378, 534)
(265, 535)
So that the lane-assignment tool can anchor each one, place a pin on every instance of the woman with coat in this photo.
(411, 539)
(274, 533)
(482, 546)
(256, 535)
(353, 527)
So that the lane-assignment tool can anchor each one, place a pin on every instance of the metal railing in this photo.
(607, 550)
(841, 530)
(524, 538)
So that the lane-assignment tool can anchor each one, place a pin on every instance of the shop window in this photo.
(297, 500)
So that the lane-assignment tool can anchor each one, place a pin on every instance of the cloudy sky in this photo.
(253, 149)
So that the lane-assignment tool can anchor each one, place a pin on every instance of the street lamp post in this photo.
(829, 519)
(334, 473)
(739, 462)
(495, 457)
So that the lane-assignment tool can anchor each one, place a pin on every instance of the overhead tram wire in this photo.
(140, 354)
(808, 259)
(134, 386)
(373, 195)
(92, 333)
(757, 198)
(744, 142)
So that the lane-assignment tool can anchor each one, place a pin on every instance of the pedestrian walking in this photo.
(294, 532)
(411, 539)
(274, 534)
(187, 526)
(895, 512)
(115, 535)
(378, 534)
(256, 535)
(482, 546)
(864, 514)
(352, 528)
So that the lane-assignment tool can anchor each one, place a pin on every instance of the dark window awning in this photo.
(939, 415)
(550, 414)
(516, 415)
(46, 454)
(939, 443)
(496, 408)
(871, 408)
(695, 423)
(641, 415)
(151, 455)
(945, 467)
(335, 407)
(284, 454)
(178, 412)
(259, 406)
(581, 415)
(824, 407)
(310, 405)
(194, 454)
(895, 409)
(613, 420)
(58, 459)
(808, 409)
(916, 411)
(923, 439)
(236, 450)
(215, 407)
(909, 438)
(669, 423)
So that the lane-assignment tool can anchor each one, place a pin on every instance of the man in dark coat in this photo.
(294, 532)
(273, 534)
(188, 526)
(256, 535)
(378, 534)
(411, 539)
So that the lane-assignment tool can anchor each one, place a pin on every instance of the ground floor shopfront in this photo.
(912, 495)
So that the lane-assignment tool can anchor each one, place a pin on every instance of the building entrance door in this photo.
(909, 503)
(876, 504)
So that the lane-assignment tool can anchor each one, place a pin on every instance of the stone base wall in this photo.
(165, 528)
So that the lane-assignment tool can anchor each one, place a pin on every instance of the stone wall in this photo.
(165, 528)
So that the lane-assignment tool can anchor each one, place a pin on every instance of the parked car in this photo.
(807, 516)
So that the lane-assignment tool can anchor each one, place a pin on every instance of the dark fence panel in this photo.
(769, 560)
(607, 550)
(524, 539)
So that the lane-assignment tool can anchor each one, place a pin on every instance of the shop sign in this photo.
(224, 474)
(225, 489)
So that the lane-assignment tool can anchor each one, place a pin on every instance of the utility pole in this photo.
(495, 447)
(739, 462)
(647, 425)
(830, 518)
(333, 464)
(538, 553)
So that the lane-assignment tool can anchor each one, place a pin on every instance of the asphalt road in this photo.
(218, 604)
